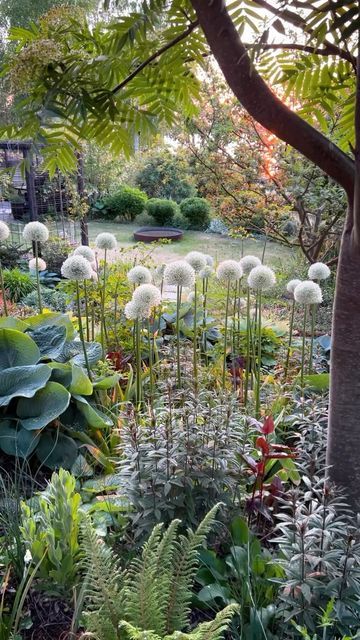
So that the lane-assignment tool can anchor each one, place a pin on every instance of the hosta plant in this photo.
(48, 405)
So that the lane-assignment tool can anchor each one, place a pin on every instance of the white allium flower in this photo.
(209, 260)
(318, 271)
(179, 273)
(4, 231)
(292, 284)
(139, 275)
(206, 272)
(94, 275)
(229, 270)
(41, 264)
(197, 260)
(148, 295)
(191, 297)
(35, 232)
(308, 292)
(135, 311)
(261, 278)
(27, 557)
(106, 241)
(249, 262)
(86, 252)
(76, 268)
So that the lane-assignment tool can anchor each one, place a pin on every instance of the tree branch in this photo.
(260, 102)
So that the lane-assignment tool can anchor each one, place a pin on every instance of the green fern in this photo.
(151, 599)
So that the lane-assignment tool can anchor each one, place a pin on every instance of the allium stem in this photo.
(103, 305)
(195, 339)
(313, 318)
(138, 362)
(87, 312)
(3, 292)
(204, 340)
(247, 366)
(226, 332)
(178, 300)
(258, 382)
(37, 276)
(290, 338)
(81, 332)
(303, 352)
(151, 360)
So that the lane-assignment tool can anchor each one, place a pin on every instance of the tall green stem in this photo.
(87, 312)
(303, 352)
(37, 276)
(226, 333)
(103, 296)
(195, 338)
(138, 362)
(81, 332)
(3, 292)
(258, 382)
(290, 338)
(247, 369)
(313, 318)
(205, 290)
(151, 360)
(178, 300)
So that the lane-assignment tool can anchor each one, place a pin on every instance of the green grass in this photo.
(219, 247)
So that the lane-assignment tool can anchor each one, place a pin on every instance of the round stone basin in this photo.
(151, 234)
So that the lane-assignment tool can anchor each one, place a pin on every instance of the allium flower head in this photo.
(86, 252)
(139, 275)
(209, 260)
(76, 268)
(229, 270)
(41, 265)
(148, 295)
(318, 271)
(206, 272)
(4, 231)
(179, 273)
(248, 263)
(308, 292)
(261, 278)
(106, 241)
(135, 311)
(35, 232)
(197, 260)
(292, 284)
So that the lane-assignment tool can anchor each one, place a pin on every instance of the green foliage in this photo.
(179, 221)
(18, 284)
(154, 592)
(165, 175)
(145, 220)
(197, 212)
(50, 528)
(163, 211)
(51, 299)
(47, 398)
(11, 255)
(54, 252)
(126, 204)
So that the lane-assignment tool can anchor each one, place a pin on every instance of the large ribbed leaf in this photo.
(47, 405)
(16, 441)
(22, 382)
(17, 349)
(50, 339)
(56, 450)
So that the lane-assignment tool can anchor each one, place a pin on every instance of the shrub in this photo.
(179, 221)
(197, 211)
(217, 226)
(127, 203)
(54, 252)
(163, 211)
(18, 284)
(11, 256)
(144, 219)
(165, 175)
(51, 299)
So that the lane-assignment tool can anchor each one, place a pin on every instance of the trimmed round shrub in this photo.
(145, 220)
(127, 203)
(179, 221)
(197, 212)
(163, 211)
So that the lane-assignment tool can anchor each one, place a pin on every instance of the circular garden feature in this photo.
(151, 234)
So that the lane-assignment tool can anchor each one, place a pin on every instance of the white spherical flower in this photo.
(206, 272)
(41, 265)
(4, 231)
(261, 278)
(135, 311)
(292, 284)
(249, 262)
(209, 260)
(318, 271)
(308, 292)
(94, 275)
(197, 260)
(86, 252)
(76, 268)
(229, 270)
(148, 295)
(179, 273)
(139, 275)
(35, 232)
(106, 241)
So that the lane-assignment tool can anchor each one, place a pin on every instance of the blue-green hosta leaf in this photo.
(56, 450)
(108, 382)
(13, 323)
(22, 382)
(80, 383)
(47, 405)
(61, 373)
(74, 351)
(95, 418)
(50, 339)
(16, 441)
(17, 349)
(51, 318)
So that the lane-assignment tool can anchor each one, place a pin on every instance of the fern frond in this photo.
(137, 634)
(213, 630)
